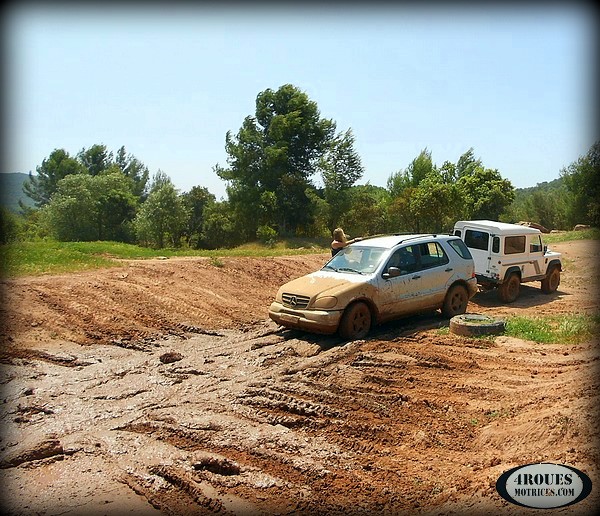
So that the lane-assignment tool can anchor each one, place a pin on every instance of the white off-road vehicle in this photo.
(507, 255)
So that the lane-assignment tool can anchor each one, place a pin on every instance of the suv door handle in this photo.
(416, 277)
(449, 269)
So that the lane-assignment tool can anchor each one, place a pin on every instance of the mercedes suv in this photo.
(376, 280)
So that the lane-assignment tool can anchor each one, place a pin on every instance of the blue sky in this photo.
(168, 82)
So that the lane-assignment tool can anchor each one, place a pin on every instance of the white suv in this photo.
(507, 255)
(378, 279)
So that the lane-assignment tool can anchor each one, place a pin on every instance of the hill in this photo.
(11, 191)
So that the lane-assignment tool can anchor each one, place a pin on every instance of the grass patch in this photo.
(52, 257)
(561, 329)
(566, 236)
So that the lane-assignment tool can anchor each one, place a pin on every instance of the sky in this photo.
(168, 81)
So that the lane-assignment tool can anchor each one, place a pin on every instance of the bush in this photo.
(267, 235)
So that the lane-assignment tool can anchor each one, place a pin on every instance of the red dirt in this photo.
(161, 387)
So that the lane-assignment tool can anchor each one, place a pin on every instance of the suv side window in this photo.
(406, 259)
(432, 255)
(514, 244)
(477, 239)
(461, 249)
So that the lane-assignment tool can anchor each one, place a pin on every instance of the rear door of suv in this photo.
(436, 273)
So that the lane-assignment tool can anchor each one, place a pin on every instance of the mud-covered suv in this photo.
(507, 255)
(379, 279)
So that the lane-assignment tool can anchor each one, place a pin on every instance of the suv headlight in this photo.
(325, 302)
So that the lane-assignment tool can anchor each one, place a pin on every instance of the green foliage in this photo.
(219, 228)
(87, 208)
(436, 203)
(341, 167)
(267, 235)
(485, 194)
(54, 168)
(563, 329)
(276, 151)
(546, 203)
(161, 220)
(582, 179)
(195, 202)
(567, 236)
(94, 161)
(10, 226)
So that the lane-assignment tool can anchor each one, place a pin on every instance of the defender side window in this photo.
(496, 245)
(514, 244)
(536, 245)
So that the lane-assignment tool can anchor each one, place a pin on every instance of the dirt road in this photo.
(160, 387)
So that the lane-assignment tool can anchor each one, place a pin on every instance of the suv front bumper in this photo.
(318, 321)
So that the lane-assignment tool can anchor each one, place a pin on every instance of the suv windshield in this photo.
(361, 260)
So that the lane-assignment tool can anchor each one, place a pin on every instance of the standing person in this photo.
(340, 240)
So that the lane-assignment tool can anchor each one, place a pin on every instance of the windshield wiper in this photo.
(330, 267)
(348, 269)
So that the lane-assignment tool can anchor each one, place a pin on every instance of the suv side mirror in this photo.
(392, 272)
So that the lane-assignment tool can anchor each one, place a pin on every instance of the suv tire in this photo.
(552, 280)
(509, 289)
(356, 322)
(456, 301)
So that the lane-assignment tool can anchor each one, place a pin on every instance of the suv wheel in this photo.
(455, 302)
(551, 281)
(356, 322)
(509, 290)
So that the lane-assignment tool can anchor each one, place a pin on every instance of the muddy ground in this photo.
(161, 387)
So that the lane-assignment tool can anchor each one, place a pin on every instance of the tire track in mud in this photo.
(253, 419)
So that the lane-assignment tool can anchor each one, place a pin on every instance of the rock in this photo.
(170, 357)
(535, 225)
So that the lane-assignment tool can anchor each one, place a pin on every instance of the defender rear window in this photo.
(514, 244)
(477, 239)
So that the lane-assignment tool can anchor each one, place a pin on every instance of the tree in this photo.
(86, 208)
(436, 202)
(161, 219)
(195, 202)
(485, 194)
(96, 159)
(367, 215)
(278, 150)
(135, 170)
(582, 179)
(412, 176)
(341, 168)
(467, 164)
(54, 168)
(219, 227)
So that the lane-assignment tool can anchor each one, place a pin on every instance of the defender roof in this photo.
(497, 228)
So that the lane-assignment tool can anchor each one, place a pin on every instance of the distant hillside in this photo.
(11, 190)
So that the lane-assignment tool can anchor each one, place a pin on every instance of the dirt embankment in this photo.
(161, 388)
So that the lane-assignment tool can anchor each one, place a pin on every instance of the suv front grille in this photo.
(295, 301)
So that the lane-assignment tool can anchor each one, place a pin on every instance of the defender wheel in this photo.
(551, 282)
(457, 299)
(509, 290)
(356, 322)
